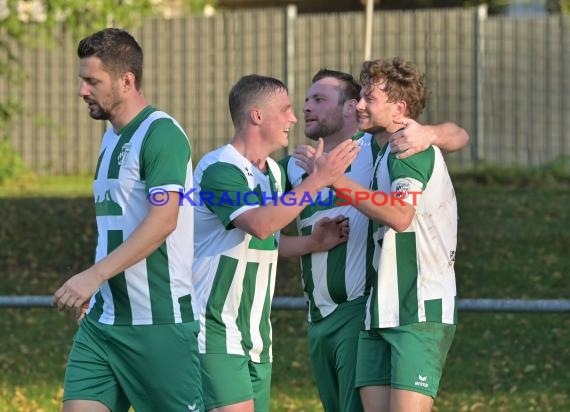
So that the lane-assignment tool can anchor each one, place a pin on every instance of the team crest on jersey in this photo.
(124, 155)
(402, 189)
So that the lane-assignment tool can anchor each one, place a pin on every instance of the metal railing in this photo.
(296, 303)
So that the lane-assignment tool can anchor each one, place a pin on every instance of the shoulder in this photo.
(419, 166)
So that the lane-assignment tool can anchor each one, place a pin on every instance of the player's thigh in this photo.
(90, 381)
(226, 380)
(158, 366)
(373, 360)
(419, 352)
(260, 374)
(375, 398)
(404, 400)
(84, 406)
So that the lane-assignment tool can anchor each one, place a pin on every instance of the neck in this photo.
(333, 140)
(252, 149)
(382, 137)
(127, 111)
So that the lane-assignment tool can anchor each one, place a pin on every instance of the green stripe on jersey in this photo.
(158, 286)
(99, 163)
(97, 309)
(244, 311)
(118, 284)
(309, 285)
(406, 260)
(122, 146)
(186, 311)
(265, 325)
(434, 310)
(215, 331)
(336, 267)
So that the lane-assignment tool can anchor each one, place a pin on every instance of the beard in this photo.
(325, 127)
(98, 113)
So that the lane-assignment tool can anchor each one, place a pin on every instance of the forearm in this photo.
(296, 246)
(146, 238)
(263, 221)
(448, 136)
(380, 207)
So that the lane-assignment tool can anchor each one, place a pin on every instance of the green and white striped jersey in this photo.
(416, 278)
(150, 153)
(233, 271)
(343, 273)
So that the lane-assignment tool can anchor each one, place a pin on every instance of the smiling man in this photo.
(236, 242)
(410, 316)
(336, 282)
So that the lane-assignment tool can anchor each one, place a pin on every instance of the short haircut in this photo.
(400, 80)
(249, 91)
(118, 51)
(350, 88)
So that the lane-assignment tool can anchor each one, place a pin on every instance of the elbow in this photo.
(260, 233)
(169, 227)
(400, 226)
(466, 137)
(404, 222)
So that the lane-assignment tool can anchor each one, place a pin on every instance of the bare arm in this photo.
(414, 138)
(147, 237)
(394, 213)
(327, 233)
(263, 221)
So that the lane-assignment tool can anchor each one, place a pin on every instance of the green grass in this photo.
(513, 243)
(47, 186)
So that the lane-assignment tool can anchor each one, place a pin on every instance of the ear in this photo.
(255, 116)
(400, 110)
(349, 108)
(128, 81)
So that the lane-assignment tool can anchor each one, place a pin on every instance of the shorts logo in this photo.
(193, 407)
(422, 381)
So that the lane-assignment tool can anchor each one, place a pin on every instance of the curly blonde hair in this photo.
(399, 79)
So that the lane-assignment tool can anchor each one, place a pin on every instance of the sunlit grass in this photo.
(513, 243)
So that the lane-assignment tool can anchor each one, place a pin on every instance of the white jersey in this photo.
(416, 278)
(150, 153)
(343, 273)
(233, 271)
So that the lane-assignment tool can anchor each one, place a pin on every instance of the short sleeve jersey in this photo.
(343, 273)
(416, 278)
(233, 271)
(151, 153)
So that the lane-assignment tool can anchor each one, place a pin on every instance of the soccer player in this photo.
(137, 343)
(336, 283)
(239, 214)
(411, 311)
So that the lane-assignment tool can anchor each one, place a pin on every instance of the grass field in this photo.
(514, 242)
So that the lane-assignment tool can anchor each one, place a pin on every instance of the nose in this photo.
(83, 88)
(361, 105)
(293, 118)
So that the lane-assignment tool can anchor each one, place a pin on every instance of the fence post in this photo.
(477, 145)
(288, 65)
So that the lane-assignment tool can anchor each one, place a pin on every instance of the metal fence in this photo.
(505, 80)
(294, 303)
